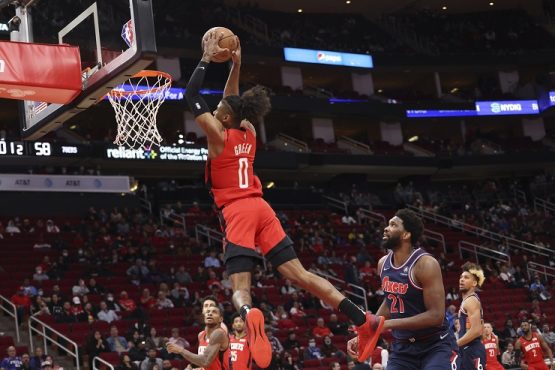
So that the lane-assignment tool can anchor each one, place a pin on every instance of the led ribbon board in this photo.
(328, 57)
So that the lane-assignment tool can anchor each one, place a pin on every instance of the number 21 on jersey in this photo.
(397, 304)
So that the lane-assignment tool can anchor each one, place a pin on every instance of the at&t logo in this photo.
(495, 108)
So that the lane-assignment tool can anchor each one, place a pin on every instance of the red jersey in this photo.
(221, 361)
(532, 350)
(240, 353)
(231, 175)
(492, 349)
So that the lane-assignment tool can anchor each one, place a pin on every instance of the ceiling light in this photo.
(380, 90)
(270, 185)
(444, 7)
(413, 139)
(491, 4)
(299, 10)
(454, 90)
(348, 2)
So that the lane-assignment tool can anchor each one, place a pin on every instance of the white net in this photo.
(136, 105)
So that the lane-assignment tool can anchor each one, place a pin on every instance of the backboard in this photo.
(116, 39)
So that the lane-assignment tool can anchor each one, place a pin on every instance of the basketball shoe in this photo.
(368, 335)
(261, 348)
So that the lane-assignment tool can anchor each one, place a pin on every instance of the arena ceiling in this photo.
(372, 8)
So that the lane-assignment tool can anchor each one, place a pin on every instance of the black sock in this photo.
(354, 312)
(243, 311)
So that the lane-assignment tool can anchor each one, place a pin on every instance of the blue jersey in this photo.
(404, 296)
(465, 322)
(472, 356)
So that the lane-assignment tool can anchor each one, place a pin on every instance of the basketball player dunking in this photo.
(213, 344)
(491, 344)
(240, 352)
(414, 300)
(533, 346)
(247, 219)
(472, 354)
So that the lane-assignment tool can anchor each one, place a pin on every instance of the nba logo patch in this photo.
(128, 33)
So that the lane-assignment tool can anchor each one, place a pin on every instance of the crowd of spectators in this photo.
(506, 32)
(505, 207)
(26, 361)
(342, 246)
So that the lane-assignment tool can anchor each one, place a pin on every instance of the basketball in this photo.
(228, 41)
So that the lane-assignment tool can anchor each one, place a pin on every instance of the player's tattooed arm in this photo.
(217, 341)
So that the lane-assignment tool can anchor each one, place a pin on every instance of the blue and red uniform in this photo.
(473, 354)
(430, 348)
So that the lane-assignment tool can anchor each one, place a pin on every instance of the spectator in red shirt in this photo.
(22, 303)
(321, 330)
(126, 303)
(147, 301)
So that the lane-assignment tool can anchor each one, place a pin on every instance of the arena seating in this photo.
(500, 302)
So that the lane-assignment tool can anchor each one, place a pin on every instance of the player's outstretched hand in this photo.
(174, 348)
(236, 54)
(210, 45)
(352, 347)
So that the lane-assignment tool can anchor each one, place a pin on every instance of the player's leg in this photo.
(239, 269)
(400, 358)
(473, 358)
(439, 356)
(277, 248)
(240, 259)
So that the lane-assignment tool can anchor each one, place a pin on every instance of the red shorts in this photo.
(494, 365)
(251, 222)
(538, 366)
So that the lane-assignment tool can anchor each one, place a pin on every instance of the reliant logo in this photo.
(122, 153)
(323, 57)
(498, 108)
(150, 154)
(2, 65)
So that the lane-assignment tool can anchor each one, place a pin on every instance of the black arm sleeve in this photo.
(196, 103)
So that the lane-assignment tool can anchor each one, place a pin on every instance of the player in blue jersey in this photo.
(414, 300)
(472, 353)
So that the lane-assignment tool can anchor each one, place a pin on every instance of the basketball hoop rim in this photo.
(145, 73)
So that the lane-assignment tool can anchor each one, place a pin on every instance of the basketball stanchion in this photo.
(136, 105)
